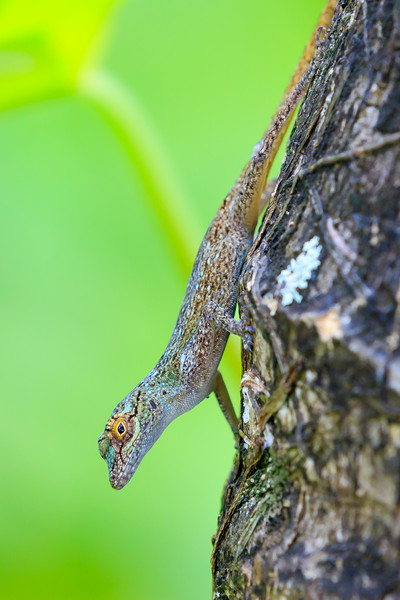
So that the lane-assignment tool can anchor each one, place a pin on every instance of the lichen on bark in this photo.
(311, 509)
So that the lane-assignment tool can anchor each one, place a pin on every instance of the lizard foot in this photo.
(241, 328)
(247, 334)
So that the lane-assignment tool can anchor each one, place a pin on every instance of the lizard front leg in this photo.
(221, 318)
(198, 362)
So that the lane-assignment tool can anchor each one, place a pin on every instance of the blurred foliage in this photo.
(44, 45)
(92, 204)
(49, 50)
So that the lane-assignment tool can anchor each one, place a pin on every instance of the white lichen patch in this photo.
(297, 275)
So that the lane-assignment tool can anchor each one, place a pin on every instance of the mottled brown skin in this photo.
(186, 372)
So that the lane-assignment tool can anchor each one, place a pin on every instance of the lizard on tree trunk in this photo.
(311, 509)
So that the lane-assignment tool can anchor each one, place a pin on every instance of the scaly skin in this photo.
(186, 372)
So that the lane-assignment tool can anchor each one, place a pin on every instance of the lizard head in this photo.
(134, 426)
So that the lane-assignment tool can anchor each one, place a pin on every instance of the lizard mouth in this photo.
(119, 480)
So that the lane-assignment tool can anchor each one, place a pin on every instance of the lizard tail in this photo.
(252, 180)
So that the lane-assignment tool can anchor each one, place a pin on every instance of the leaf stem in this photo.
(128, 120)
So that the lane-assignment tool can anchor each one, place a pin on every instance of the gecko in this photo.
(187, 372)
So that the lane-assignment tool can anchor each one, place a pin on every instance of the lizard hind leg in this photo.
(221, 392)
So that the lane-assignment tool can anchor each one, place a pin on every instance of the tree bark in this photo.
(311, 509)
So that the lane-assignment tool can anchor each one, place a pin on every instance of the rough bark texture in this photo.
(312, 510)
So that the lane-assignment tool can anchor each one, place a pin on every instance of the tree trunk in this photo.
(311, 509)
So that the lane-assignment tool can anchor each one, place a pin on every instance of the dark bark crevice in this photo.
(315, 513)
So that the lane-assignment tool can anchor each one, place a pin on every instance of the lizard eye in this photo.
(119, 429)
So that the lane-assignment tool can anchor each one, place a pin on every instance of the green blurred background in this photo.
(122, 126)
